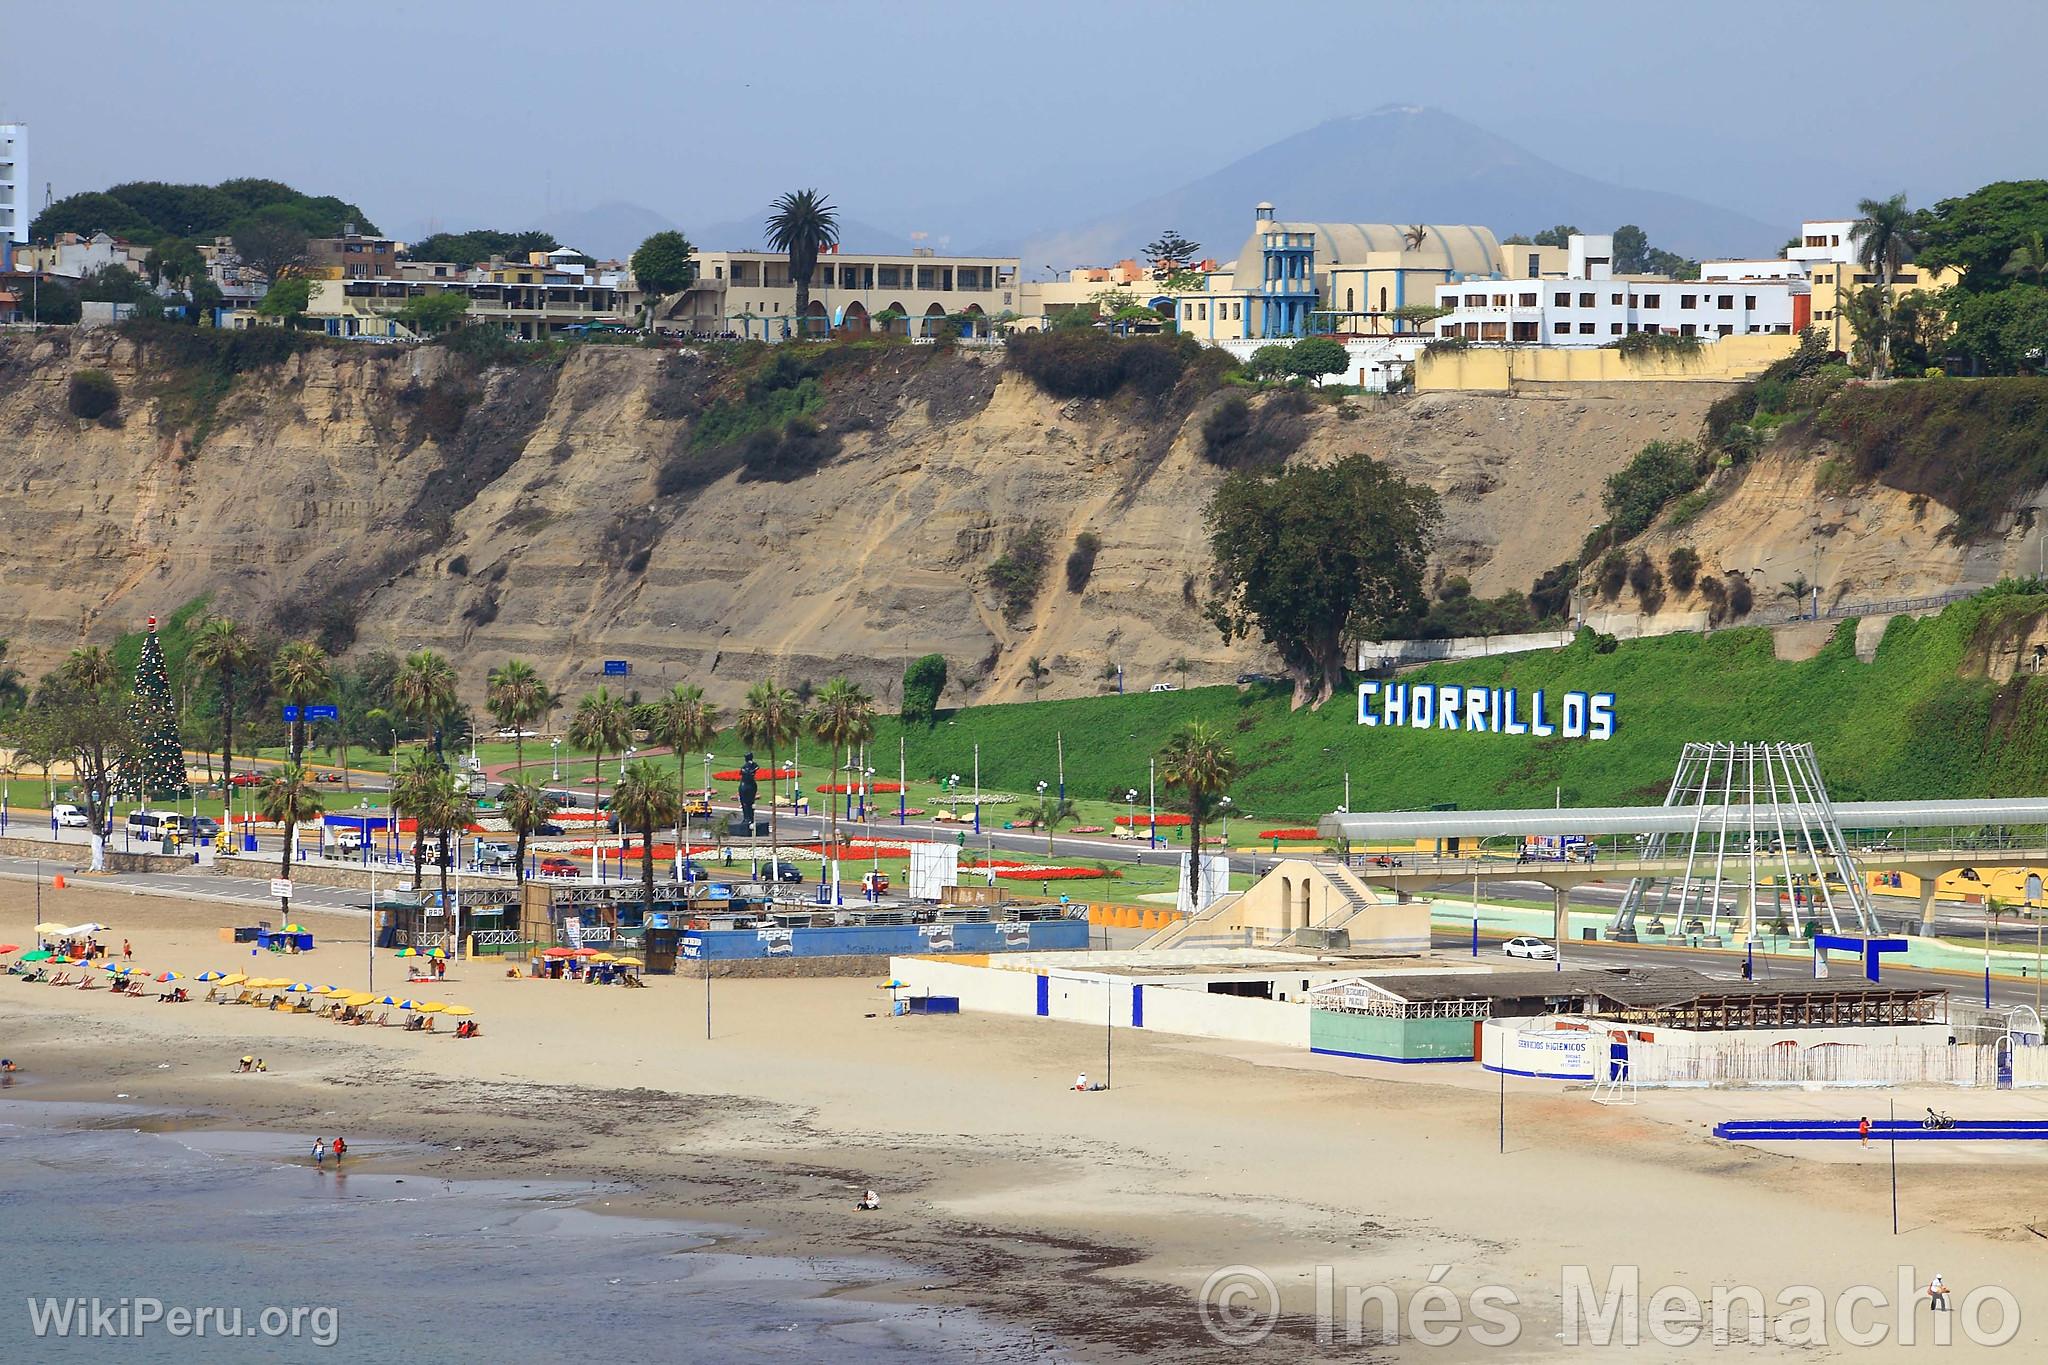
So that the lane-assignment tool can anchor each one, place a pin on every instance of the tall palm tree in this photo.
(290, 797)
(685, 722)
(2029, 260)
(603, 723)
(447, 811)
(801, 225)
(527, 808)
(770, 719)
(424, 690)
(415, 792)
(516, 697)
(1884, 237)
(300, 673)
(89, 668)
(223, 649)
(642, 800)
(1197, 761)
(842, 715)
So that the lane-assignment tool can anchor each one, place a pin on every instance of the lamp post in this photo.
(1044, 814)
(902, 785)
(556, 745)
(977, 787)
(953, 792)
(1152, 805)
(1131, 810)
(1223, 805)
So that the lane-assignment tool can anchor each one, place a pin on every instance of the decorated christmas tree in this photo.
(159, 753)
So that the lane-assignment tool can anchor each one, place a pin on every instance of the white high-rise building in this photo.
(15, 208)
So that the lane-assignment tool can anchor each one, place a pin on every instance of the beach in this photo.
(1091, 1221)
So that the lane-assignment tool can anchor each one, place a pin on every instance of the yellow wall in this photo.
(1828, 278)
(1491, 368)
(2009, 884)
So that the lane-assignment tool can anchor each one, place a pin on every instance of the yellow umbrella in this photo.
(360, 999)
(337, 992)
(431, 1006)
(629, 962)
(604, 957)
(458, 1010)
(233, 979)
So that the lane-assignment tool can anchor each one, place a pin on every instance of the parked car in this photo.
(246, 778)
(559, 867)
(495, 856)
(1245, 679)
(1528, 947)
(550, 828)
(1164, 687)
(697, 808)
(781, 872)
(68, 817)
(345, 841)
(206, 827)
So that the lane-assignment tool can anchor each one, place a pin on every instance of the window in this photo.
(1727, 300)
(1561, 328)
(1500, 300)
(1526, 331)
(1528, 300)
(1687, 329)
(1823, 279)
(1383, 298)
(1187, 312)
(1588, 300)
(1688, 300)
(1749, 302)
(1562, 300)
(1585, 329)
(1475, 300)
(1614, 298)
(1652, 300)
(1493, 331)
(1726, 329)
(1614, 329)
(1237, 309)
(1202, 312)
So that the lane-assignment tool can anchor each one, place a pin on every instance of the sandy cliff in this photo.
(406, 498)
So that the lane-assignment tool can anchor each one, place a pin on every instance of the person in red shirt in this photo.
(1863, 1130)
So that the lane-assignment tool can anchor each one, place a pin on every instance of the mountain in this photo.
(1403, 164)
(608, 231)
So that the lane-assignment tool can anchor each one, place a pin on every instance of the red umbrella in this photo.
(585, 952)
(8, 947)
(559, 952)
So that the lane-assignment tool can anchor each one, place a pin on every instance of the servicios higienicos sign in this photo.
(1494, 710)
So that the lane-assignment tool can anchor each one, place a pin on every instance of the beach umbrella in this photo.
(234, 979)
(405, 1004)
(360, 999)
(303, 986)
(210, 976)
(407, 952)
(170, 976)
(295, 929)
(431, 1006)
(39, 955)
(603, 957)
(437, 952)
(630, 962)
(110, 969)
(559, 952)
(51, 928)
(9, 947)
(584, 952)
(384, 1000)
(337, 992)
(458, 1010)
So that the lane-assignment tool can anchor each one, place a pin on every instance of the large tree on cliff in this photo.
(801, 225)
(1884, 237)
(1314, 557)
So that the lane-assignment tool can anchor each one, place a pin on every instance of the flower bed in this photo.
(1052, 874)
(1088, 829)
(853, 851)
(766, 774)
(995, 862)
(1290, 835)
(1176, 821)
(842, 788)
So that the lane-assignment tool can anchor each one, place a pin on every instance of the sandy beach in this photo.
(1095, 1219)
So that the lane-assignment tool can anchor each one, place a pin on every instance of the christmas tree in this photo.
(159, 753)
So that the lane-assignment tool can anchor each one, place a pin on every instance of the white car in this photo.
(1166, 687)
(68, 817)
(1528, 947)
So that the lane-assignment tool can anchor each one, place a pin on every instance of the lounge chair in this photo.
(430, 1023)
(384, 1018)
(244, 998)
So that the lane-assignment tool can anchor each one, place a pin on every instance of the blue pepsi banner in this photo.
(1491, 710)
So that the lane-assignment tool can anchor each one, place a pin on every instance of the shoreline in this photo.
(1091, 1221)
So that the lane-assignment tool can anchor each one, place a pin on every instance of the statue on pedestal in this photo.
(749, 788)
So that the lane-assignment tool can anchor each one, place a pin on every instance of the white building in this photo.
(15, 195)
(1831, 240)
(1591, 306)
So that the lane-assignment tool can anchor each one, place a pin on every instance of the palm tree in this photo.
(414, 792)
(602, 722)
(1884, 237)
(801, 225)
(447, 811)
(223, 649)
(2029, 260)
(842, 716)
(685, 722)
(1196, 760)
(642, 800)
(424, 691)
(516, 697)
(89, 668)
(298, 674)
(770, 719)
(1035, 669)
(290, 797)
(527, 808)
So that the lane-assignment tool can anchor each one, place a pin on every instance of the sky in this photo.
(964, 121)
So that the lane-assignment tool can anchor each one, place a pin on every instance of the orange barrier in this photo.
(57, 882)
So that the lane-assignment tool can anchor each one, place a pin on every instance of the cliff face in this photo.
(402, 499)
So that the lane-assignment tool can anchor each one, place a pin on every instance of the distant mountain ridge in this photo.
(1401, 164)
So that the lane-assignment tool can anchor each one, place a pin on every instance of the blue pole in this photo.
(1749, 959)
(1475, 936)
(1987, 985)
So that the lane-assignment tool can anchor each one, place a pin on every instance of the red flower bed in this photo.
(1163, 820)
(1051, 874)
(845, 850)
(1086, 829)
(1290, 834)
(766, 774)
(995, 862)
(842, 788)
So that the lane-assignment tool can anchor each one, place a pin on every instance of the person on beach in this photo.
(340, 1151)
(869, 1201)
(248, 1063)
(1081, 1081)
(320, 1153)
(127, 951)
(6, 1064)
(1863, 1130)
(1937, 1292)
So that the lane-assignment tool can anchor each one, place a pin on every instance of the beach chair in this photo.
(429, 1026)
(383, 1018)
(244, 998)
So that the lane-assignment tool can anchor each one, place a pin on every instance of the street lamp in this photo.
(556, 745)
(953, 793)
(1131, 810)
(1224, 806)
(1046, 816)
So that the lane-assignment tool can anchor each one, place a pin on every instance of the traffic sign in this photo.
(323, 713)
(291, 713)
(617, 668)
(280, 888)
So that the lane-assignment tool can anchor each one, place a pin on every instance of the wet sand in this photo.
(1093, 1219)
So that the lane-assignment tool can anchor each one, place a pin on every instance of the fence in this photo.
(1834, 1064)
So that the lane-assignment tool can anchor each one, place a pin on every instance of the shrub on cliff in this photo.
(1091, 364)
(1081, 561)
(93, 395)
(1019, 574)
(923, 681)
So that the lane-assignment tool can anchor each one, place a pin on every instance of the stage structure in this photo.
(1761, 824)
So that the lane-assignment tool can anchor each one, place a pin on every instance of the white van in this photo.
(153, 825)
(69, 817)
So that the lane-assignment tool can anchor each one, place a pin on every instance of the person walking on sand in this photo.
(1863, 1129)
(1937, 1292)
(320, 1153)
(127, 951)
(340, 1151)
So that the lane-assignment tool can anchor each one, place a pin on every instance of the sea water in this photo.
(311, 1264)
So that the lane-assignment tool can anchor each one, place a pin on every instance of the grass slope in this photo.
(1921, 720)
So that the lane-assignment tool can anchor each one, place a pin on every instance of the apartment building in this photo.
(750, 294)
(351, 256)
(16, 195)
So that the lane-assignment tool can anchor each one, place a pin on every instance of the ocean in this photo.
(110, 1231)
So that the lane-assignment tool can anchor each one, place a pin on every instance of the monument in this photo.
(750, 787)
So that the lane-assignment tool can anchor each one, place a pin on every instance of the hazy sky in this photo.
(963, 119)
